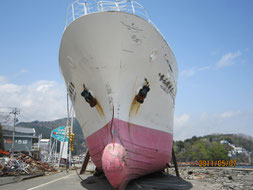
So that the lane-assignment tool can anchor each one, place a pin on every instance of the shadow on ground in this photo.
(154, 181)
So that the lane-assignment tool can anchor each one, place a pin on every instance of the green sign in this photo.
(59, 133)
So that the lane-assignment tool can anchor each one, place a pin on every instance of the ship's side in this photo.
(113, 55)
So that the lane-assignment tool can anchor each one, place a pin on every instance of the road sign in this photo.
(58, 133)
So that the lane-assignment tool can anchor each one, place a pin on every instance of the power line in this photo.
(24, 117)
(7, 107)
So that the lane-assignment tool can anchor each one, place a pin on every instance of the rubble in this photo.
(23, 165)
(217, 178)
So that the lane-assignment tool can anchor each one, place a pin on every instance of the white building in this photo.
(236, 150)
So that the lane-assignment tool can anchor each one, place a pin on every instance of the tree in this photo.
(194, 138)
(178, 146)
(4, 118)
(218, 152)
(228, 139)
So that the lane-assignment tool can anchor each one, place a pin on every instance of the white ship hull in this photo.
(114, 54)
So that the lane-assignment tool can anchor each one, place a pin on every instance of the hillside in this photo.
(209, 148)
(45, 128)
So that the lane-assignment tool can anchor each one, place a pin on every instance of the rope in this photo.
(79, 175)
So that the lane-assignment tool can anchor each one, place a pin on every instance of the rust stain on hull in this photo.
(137, 109)
(100, 109)
(135, 106)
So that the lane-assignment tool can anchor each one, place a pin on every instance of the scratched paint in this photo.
(114, 157)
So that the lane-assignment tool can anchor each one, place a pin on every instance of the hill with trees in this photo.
(210, 148)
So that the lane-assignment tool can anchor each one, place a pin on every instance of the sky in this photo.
(212, 41)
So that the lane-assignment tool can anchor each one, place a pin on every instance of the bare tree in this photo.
(4, 118)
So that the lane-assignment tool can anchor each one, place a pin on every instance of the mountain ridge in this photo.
(45, 128)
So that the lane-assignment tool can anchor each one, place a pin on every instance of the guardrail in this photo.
(84, 7)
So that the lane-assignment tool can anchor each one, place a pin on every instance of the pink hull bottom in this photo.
(125, 151)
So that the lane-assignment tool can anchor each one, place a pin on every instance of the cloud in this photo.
(247, 49)
(228, 59)
(2, 79)
(181, 121)
(41, 100)
(23, 71)
(229, 114)
(18, 74)
(229, 122)
(188, 73)
(191, 72)
(44, 86)
(213, 53)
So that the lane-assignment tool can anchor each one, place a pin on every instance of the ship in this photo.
(121, 77)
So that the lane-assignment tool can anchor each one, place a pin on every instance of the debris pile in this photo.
(218, 177)
(196, 175)
(23, 165)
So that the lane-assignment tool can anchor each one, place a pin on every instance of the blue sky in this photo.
(212, 41)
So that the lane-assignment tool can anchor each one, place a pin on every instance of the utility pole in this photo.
(71, 132)
(65, 133)
(15, 112)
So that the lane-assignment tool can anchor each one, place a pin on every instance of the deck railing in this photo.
(84, 7)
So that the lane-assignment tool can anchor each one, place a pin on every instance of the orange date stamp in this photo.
(217, 163)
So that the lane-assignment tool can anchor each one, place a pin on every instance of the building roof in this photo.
(44, 140)
(19, 129)
(22, 136)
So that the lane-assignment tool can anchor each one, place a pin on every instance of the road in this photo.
(61, 181)
(71, 181)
